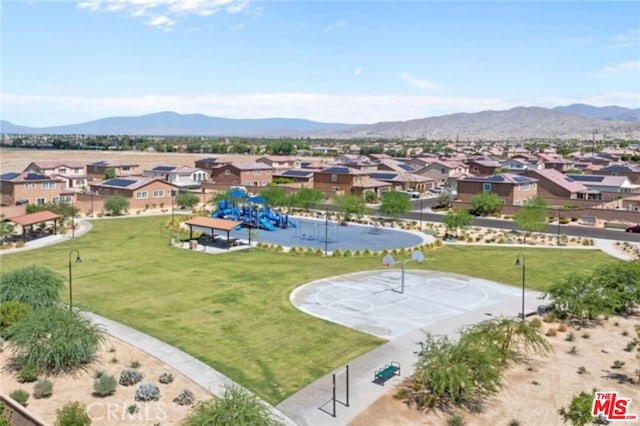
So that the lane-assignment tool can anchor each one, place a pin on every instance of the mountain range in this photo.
(572, 121)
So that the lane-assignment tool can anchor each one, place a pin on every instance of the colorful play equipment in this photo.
(253, 214)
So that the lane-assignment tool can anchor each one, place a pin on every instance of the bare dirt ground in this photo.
(113, 357)
(537, 387)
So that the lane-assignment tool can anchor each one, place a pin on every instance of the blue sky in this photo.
(357, 62)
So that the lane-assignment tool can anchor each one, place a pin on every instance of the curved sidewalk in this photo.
(194, 369)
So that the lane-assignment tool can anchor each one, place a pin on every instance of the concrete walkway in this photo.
(197, 371)
(609, 247)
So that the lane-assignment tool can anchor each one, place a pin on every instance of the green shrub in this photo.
(35, 286)
(135, 364)
(165, 378)
(130, 377)
(617, 364)
(72, 414)
(133, 409)
(536, 322)
(28, 373)
(579, 411)
(43, 389)
(10, 313)
(104, 385)
(456, 420)
(20, 396)
(185, 397)
(147, 392)
(551, 332)
(56, 340)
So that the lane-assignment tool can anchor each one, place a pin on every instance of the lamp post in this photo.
(388, 261)
(518, 263)
(173, 193)
(420, 213)
(78, 260)
(326, 231)
(558, 228)
(73, 221)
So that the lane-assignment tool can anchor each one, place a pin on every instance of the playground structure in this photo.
(326, 231)
(253, 215)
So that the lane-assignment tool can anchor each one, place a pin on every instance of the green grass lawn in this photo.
(232, 311)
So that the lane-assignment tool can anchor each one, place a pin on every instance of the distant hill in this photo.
(516, 123)
(614, 113)
(174, 124)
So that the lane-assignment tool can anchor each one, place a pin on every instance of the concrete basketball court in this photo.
(366, 300)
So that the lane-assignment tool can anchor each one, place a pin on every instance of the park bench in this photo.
(388, 371)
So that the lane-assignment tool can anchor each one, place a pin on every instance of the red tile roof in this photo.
(33, 218)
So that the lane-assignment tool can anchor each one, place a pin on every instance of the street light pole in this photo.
(558, 228)
(420, 214)
(172, 213)
(326, 231)
(73, 221)
(518, 263)
(78, 260)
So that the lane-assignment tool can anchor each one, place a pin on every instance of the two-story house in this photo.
(245, 174)
(554, 184)
(97, 170)
(346, 180)
(138, 190)
(482, 166)
(630, 171)
(31, 188)
(513, 189)
(444, 172)
(280, 162)
(182, 176)
(72, 172)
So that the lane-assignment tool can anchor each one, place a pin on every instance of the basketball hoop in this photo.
(386, 265)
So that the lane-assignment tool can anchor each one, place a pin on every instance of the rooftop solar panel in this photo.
(383, 175)
(163, 168)
(521, 179)
(406, 167)
(119, 182)
(587, 178)
(9, 176)
(495, 178)
(35, 176)
(336, 169)
(296, 173)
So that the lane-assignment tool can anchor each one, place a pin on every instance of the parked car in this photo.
(635, 229)
(436, 190)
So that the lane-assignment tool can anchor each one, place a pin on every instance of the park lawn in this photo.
(232, 311)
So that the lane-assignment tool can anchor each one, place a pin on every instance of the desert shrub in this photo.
(550, 317)
(72, 414)
(165, 378)
(336, 253)
(35, 286)
(551, 332)
(10, 313)
(135, 364)
(570, 337)
(585, 335)
(147, 392)
(104, 385)
(456, 419)
(346, 253)
(573, 350)
(582, 370)
(43, 389)
(617, 364)
(20, 396)
(562, 327)
(55, 340)
(133, 409)
(28, 373)
(130, 377)
(536, 322)
(185, 397)
(579, 411)
(236, 406)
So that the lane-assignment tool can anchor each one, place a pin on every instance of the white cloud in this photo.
(357, 71)
(627, 39)
(163, 14)
(336, 25)
(622, 67)
(423, 84)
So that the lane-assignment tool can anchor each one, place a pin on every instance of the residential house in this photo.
(393, 165)
(606, 183)
(280, 162)
(206, 163)
(303, 176)
(140, 191)
(245, 174)
(482, 166)
(97, 170)
(511, 188)
(518, 165)
(554, 184)
(347, 180)
(31, 188)
(630, 171)
(72, 172)
(444, 172)
(182, 176)
(403, 180)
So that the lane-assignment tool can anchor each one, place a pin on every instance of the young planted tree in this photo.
(580, 297)
(36, 286)
(532, 217)
(187, 200)
(275, 196)
(395, 203)
(109, 173)
(116, 205)
(457, 219)
(485, 203)
(578, 413)
(445, 199)
(55, 340)
(306, 198)
(6, 229)
(236, 406)
(351, 205)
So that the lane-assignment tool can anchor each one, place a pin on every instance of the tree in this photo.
(485, 203)
(445, 199)
(35, 286)
(236, 406)
(275, 196)
(579, 296)
(6, 229)
(533, 216)
(109, 173)
(351, 205)
(187, 200)
(620, 284)
(55, 340)
(307, 197)
(395, 203)
(579, 411)
(457, 219)
(116, 205)
(282, 148)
